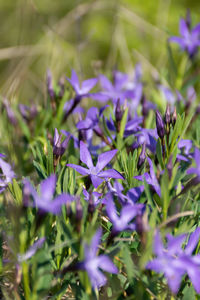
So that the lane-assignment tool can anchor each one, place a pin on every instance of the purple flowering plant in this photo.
(100, 182)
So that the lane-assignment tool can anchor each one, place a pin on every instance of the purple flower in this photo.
(93, 263)
(45, 201)
(147, 136)
(197, 160)
(128, 212)
(150, 178)
(7, 174)
(96, 172)
(160, 126)
(174, 261)
(31, 251)
(92, 119)
(189, 40)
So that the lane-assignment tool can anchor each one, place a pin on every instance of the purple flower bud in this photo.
(91, 206)
(167, 115)
(142, 156)
(174, 116)
(160, 125)
(118, 112)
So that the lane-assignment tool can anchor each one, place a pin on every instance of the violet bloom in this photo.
(128, 212)
(174, 261)
(81, 91)
(147, 136)
(96, 173)
(190, 38)
(45, 201)
(197, 160)
(186, 145)
(92, 119)
(150, 178)
(31, 251)
(10, 112)
(7, 174)
(93, 263)
(58, 147)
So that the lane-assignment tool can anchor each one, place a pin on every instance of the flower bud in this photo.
(160, 125)
(142, 156)
(174, 117)
(91, 206)
(118, 112)
(167, 115)
(170, 167)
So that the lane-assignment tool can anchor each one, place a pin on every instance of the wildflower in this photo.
(93, 263)
(190, 38)
(28, 113)
(7, 174)
(94, 195)
(174, 261)
(142, 156)
(81, 91)
(128, 212)
(45, 201)
(96, 173)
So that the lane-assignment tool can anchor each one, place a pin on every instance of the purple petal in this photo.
(183, 28)
(111, 209)
(111, 173)
(104, 159)
(128, 213)
(192, 243)
(47, 188)
(87, 85)
(31, 251)
(135, 193)
(79, 169)
(178, 40)
(74, 81)
(85, 124)
(56, 137)
(96, 241)
(96, 181)
(105, 83)
(158, 245)
(85, 156)
(107, 265)
(174, 243)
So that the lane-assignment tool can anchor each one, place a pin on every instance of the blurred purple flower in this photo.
(147, 136)
(93, 263)
(128, 212)
(7, 174)
(190, 38)
(150, 178)
(96, 172)
(167, 94)
(50, 89)
(174, 261)
(45, 201)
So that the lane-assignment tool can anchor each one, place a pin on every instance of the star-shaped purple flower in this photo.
(45, 201)
(174, 261)
(96, 173)
(93, 263)
(189, 40)
(128, 212)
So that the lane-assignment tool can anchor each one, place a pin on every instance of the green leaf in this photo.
(40, 169)
(49, 159)
(159, 153)
(123, 123)
(128, 262)
(165, 193)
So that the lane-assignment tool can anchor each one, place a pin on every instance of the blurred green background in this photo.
(90, 36)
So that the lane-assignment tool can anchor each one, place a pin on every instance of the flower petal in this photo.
(104, 159)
